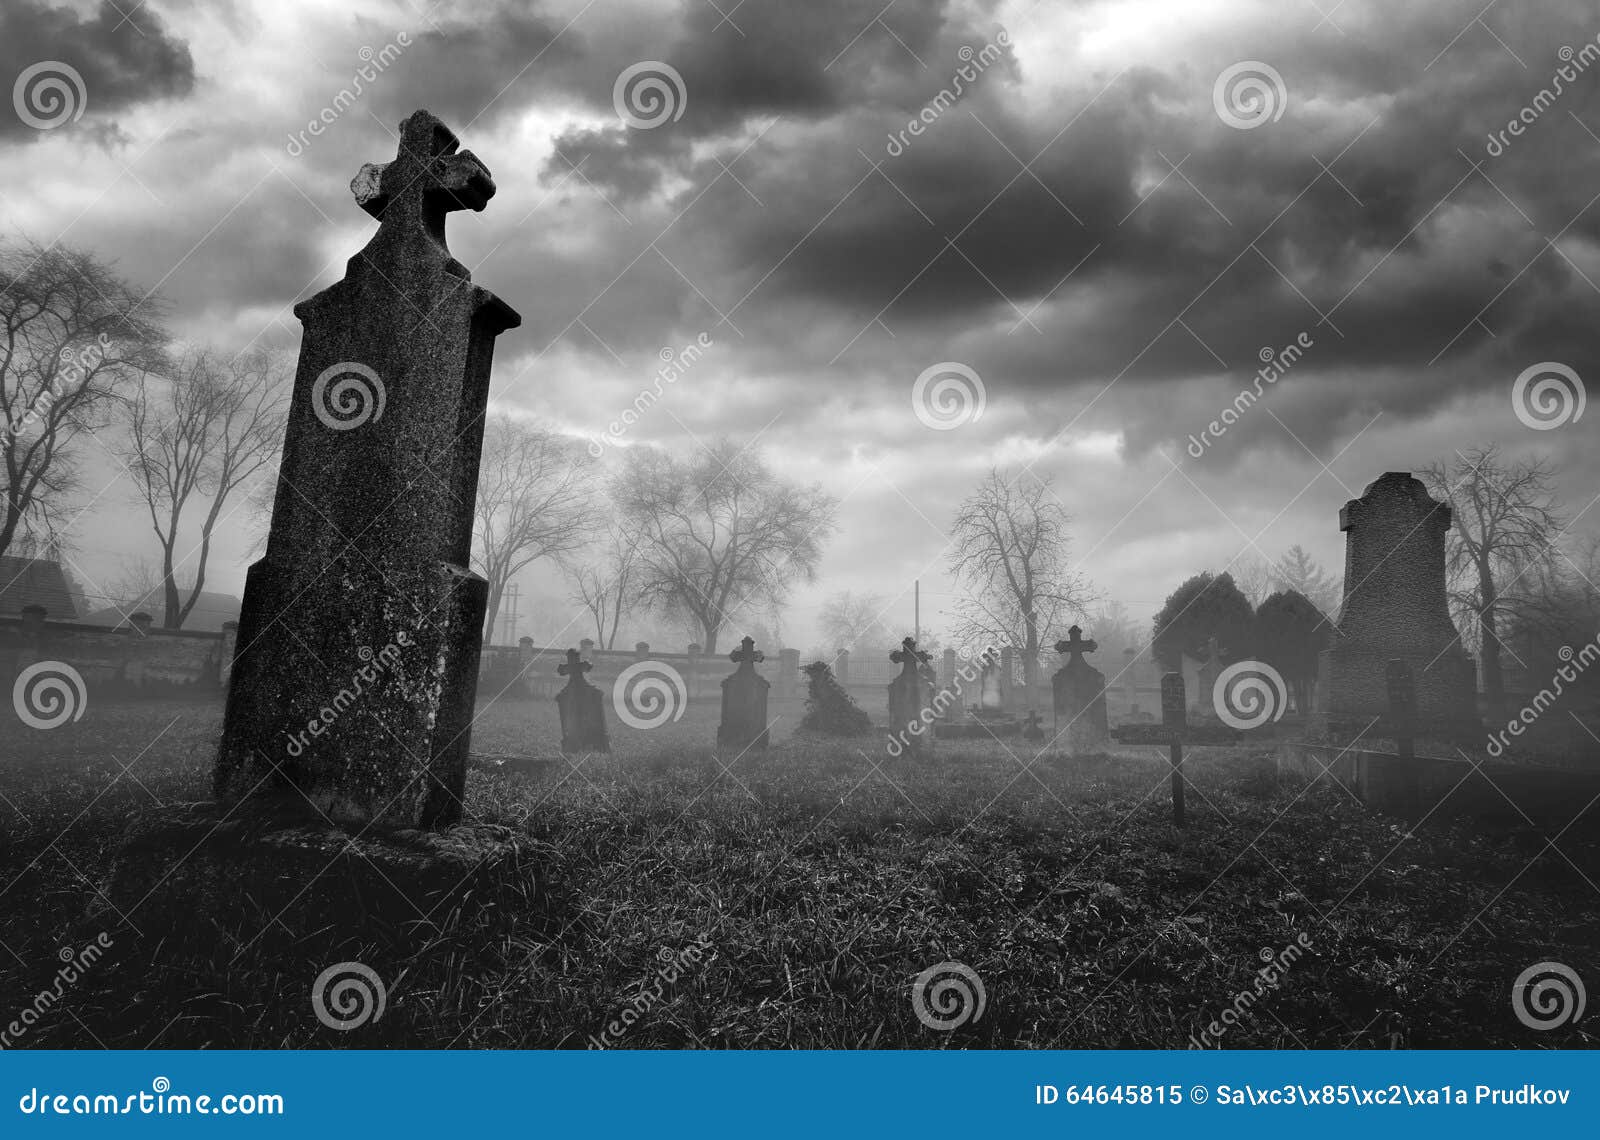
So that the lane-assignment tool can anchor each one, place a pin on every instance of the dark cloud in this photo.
(122, 60)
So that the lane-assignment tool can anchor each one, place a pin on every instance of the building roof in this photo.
(34, 582)
(211, 609)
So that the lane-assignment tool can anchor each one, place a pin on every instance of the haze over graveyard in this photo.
(1112, 269)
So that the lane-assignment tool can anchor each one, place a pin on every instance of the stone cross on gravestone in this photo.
(909, 698)
(357, 653)
(582, 708)
(744, 701)
(1078, 690)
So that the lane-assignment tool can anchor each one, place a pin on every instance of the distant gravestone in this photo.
(582, 708)
(363, 597)
(744, 702)
(1079, 696)
(1395, 608)
(909, 695)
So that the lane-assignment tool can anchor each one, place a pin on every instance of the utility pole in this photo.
(916, 609)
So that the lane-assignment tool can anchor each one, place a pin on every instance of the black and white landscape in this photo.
(745, 524)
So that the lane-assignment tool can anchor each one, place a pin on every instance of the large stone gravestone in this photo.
(344, 748)
(744, 701)
(1395, 607)
(582, 707)
(366, 564)
(909, 696)
(1079, 696)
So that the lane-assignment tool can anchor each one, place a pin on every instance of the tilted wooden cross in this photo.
(1076, 645)
(747, 654)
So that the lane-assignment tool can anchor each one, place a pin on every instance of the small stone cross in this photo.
(1076, 645)
(575, 667)
(427, 179)
(908, 656)
(747, 654)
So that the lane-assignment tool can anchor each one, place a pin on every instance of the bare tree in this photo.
(1506, 524)
(855, 620)
(1254, 576)
(534, 501)
(71, 338)
(1296, 570)
(1009, 555)
(718, 531)
(606, 582)
(195, 436)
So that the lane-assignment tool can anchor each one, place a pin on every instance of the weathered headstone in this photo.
(989, 686)
(365, 569)
(744, 702)
(788, 674)
(909, 696)
(1395, 607)
(582, 708)
(345, 739)
(1079, 696)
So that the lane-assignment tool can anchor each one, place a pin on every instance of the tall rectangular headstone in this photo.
(1395, 608)
(358, 643)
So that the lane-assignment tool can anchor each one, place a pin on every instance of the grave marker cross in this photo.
(747, 656)
(1076, 644)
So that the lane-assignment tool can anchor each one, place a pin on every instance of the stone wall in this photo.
(528, 670)
(137, 660)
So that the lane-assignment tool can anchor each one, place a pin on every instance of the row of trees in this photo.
(87, 355)
(699, 540)
(1287, 630)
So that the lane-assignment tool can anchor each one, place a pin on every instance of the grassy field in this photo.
(821, 879)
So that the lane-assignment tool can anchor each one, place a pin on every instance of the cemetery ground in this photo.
(790, 901)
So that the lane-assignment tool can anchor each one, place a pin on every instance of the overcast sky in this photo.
(1106, 236)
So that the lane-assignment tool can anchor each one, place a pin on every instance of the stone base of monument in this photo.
(269, 871)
